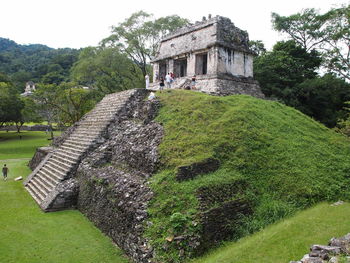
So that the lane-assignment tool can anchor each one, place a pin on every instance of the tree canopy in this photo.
(139, 35)
(329, 33)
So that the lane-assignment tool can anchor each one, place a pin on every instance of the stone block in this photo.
(203, 167)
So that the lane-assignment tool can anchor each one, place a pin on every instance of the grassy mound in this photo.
(272, 158)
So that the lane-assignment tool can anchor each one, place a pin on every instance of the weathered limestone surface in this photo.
(114, 192)
(39, 156)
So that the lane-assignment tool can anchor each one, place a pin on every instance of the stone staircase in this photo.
(58, 167)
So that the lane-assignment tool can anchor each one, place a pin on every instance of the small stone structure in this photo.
(337, 247)
(30, 88)
(215, 51)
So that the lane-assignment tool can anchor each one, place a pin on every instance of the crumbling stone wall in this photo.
(114, 192)
(39, 155)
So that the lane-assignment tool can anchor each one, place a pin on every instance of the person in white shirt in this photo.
(168, 80)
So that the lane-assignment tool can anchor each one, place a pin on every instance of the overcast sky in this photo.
(82, 23)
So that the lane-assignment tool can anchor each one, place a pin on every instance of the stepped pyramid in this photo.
(46, 182)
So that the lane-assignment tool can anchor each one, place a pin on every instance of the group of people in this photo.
(168, 80)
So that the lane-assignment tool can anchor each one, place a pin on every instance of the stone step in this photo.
(79, 148)
(53, 173)
(36, 190)
(71, 157)
(89, 130)
(101, 113)
(47, 180)
(72, 150)
(43, 188)
(36, 197)
(79, 138)
(58, 166)
(106, 109)
(96, 118)
(97, 121)
(84, 132)
(81, 143)
(85, 135)
(63, 159)
(93, 126)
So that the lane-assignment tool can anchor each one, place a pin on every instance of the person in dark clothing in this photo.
(5, 170)
(161, 84)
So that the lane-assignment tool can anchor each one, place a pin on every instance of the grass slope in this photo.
(287, 240)
(28, 235)
(288, 161)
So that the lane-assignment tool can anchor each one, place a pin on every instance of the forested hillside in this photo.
(35, 62)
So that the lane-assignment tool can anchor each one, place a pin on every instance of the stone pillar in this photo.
(191, 65)
(171, 65)
(155, 72)
(212, 61)
(249, 66)
(238, 67)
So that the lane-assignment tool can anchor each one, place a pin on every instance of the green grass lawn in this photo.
(287, 240)
(29, 235)
(14, 147)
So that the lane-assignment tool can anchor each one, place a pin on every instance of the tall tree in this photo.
(10, 104)
(107, 70)
(336, 35)
(302, 27)
(65, 103)
(138, 36)
(329, 33)
(280, 70)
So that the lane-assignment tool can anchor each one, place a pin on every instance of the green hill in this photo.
(273, 160)
(33, 62)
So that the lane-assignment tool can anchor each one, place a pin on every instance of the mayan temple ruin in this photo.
(215, 51)
(102, 164)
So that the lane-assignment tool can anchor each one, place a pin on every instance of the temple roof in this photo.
(216, 31)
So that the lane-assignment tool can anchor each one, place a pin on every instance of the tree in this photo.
(302, 27)
(107, 70)
(257, 46)
(329, 33)
(65, 103)
(10, 104)
(29, 113)
(323, 98)
(138, 36)
(280, 70)
(336, 45)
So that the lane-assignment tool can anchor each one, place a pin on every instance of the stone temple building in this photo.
(215, 51)
(30, 88)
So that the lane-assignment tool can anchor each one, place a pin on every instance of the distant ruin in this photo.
(29, 89)
(214, 50)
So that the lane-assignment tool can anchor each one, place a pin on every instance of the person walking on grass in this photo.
(5, 170)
